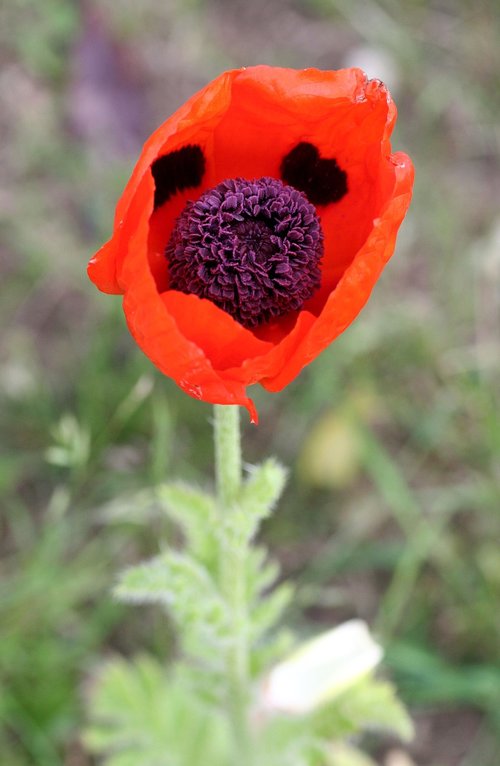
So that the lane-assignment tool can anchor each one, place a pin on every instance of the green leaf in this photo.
(266, 607)
(368, 705)
(262, 575)
(261, 492)
(140, 716)
(317, 739)
(187, 589)
(255, 502)
(268, 611)
(341, 754)
(262, 572)
(270, 651)
(195, 513)
(72, 444)
(192, 510)
(288, 741)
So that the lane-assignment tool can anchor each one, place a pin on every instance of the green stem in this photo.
(227, 453)
(232, 571)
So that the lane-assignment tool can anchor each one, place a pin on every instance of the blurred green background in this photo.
(392, 512)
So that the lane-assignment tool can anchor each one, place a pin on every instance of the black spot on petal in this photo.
(321, 180)
(178, 170)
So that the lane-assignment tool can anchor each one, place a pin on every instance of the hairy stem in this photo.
(227, 453)
(232, 571)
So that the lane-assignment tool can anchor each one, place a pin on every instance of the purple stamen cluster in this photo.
(251, 247)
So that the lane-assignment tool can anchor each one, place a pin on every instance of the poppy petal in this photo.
(192, 123)
(155, 330)
(356, 284)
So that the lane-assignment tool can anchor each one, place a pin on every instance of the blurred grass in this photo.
(393, 509)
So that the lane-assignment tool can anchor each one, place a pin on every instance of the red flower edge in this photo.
(246, 121)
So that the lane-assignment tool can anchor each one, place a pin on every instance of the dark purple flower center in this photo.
(251, 247)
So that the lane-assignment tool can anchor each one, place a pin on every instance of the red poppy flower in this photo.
(255, 225)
